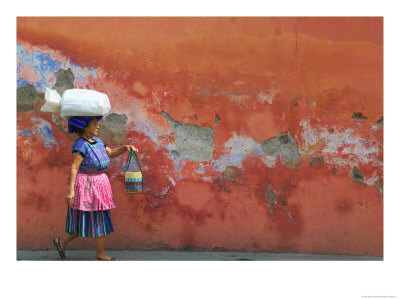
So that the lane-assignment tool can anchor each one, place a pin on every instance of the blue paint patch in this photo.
(40, 62)
(45, 63)
(46, 132)
(312, 101)
(150, 130)
(27, 132)
(178, 165)
(169, 148)
(21, 81)
(178, 176)
(44, 128)
(200, 170)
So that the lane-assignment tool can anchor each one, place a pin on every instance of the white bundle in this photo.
(53, 101)
(79, 102)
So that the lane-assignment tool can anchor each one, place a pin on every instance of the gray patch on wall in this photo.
(26, 97)
(380, 122)
(357, 175)
(64, 80)
(317, 162)
(231, 173)
(113, 129)
(271, 198)
(286, 146)
(357, 116)
(192, 142)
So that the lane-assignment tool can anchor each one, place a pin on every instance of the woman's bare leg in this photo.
(66, 238)
(100, 247)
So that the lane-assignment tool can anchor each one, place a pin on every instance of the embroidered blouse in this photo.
(94, 154)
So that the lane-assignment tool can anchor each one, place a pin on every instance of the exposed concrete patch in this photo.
(357, 116)
(191, 141)
(287, 148)
(317, 162)
(271, 198)
(26, 97)
(380, 122)
(357, 175)
(113, 129)
(231, 173)
(65, 80)
(175, 153)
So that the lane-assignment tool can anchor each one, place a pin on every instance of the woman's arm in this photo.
(76, 162)
(118, 151)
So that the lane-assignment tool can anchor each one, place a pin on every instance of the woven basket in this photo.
(133, 180)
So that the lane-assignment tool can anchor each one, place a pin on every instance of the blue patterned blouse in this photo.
(94, 154)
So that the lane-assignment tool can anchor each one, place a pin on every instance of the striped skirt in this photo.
(88, 223)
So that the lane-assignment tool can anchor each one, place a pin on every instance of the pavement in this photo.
(88, 255)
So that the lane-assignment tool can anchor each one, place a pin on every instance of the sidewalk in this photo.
(88, 255)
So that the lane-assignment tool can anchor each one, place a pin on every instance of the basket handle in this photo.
(131, 153)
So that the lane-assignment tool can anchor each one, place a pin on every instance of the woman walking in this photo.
(89, 197)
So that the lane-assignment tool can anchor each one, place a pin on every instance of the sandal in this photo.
(111, 259)
(59, 249)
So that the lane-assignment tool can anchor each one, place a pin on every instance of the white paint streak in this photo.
(171, 180)
(266, 96)
(236, 150)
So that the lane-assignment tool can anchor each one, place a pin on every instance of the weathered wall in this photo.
(258, 134)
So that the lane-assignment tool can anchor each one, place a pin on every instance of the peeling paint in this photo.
(266, 96)
(235, 151)
(39, 68)
(44, 129)
(365, 151)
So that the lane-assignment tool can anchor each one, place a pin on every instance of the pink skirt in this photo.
(92, 192)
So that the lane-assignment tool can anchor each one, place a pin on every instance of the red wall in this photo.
(319, 81)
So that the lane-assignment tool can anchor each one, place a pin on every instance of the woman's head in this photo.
(80, 125)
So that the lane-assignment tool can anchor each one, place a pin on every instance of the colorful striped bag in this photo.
(133, 175)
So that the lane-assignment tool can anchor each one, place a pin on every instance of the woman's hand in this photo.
(70, 199)
(130, 147)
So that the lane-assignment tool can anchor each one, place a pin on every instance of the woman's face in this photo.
(93, 128)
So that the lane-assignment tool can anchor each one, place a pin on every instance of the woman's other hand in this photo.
(70, 199)
(131, 148)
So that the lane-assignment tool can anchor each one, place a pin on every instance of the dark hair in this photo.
(78, 130)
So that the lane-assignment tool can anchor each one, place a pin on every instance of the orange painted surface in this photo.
(261, 76)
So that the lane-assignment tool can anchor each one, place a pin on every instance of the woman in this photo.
(89, 196)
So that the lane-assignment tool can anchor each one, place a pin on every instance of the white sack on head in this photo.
(53, 101)
(79, 102)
